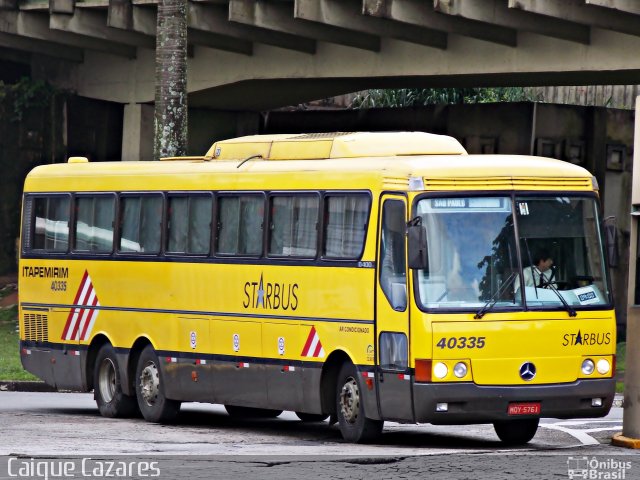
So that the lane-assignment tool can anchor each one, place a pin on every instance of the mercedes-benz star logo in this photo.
(527, 371)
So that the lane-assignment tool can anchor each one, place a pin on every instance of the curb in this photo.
(18, 386)
(621, 441)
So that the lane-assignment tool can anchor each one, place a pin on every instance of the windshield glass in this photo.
(473, 254)
(471, 250)
(561, 250)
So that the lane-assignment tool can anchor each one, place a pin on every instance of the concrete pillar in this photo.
(137, 132)
(631, 417)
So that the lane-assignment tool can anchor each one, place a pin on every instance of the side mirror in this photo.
(611, 240)
(417, 239)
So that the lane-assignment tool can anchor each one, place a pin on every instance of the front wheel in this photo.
(153, 403)
(516, 432)
(107, 385)
(354, 426)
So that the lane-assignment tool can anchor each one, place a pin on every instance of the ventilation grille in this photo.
(320, 136)
(36, 327)
(509, 183)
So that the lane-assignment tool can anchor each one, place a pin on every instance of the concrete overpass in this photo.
(260, 54)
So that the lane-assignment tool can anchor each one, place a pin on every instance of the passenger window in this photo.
(141, 222)
(345, 225)
(189, 224)
(393, 279)
(94, 224)
(294, 226)
(240, 220)
(51, 223)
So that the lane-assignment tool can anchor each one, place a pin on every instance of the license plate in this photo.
(528, 408)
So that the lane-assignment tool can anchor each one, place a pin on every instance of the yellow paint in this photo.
(166, 301)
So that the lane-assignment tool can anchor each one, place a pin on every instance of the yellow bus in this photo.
(362, 277)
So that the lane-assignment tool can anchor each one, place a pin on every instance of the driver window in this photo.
(393, 278)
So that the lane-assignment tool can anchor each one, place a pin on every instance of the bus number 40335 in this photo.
(461, 342)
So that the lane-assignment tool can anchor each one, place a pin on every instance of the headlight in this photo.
(603, 366)
(440, 370)
(587, 366)
(460, 370)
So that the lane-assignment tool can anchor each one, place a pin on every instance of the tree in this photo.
(170, 124)
(412, 97)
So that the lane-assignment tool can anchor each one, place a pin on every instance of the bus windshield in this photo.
(475, 257)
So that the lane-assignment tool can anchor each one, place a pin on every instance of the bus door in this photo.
(392, 312)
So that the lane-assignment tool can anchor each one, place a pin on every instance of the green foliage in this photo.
(25, 94)
(10, 366)
(413, 97)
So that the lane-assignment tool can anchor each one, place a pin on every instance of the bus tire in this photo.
(107, 386)
(516, 432)
(312, 417)
(251, 412)
(355, 427)
(154, 405)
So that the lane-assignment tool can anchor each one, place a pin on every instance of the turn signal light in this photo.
(423, 370)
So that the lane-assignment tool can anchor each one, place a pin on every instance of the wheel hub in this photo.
(107, 380)
(350, 400)
(150, 383)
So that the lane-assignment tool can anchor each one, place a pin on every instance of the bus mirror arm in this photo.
(417, 240)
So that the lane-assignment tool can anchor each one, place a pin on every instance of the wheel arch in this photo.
(92, 353)
(329, 379)
(132, 363)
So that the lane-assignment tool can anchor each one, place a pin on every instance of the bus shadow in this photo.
(323, 432)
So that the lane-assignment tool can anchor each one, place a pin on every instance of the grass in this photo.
(10, 366)
(621, 358)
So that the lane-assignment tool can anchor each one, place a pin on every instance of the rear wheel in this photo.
(153, 403)
(354, 426)
(107, 386)
(516, 432)
(251, 412)
(312, 417)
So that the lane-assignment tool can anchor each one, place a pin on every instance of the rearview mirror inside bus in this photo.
(417, 237)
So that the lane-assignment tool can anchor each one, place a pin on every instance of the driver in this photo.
(540, 273)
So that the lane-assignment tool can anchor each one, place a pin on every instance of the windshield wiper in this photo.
(494, 298)
(567, 307)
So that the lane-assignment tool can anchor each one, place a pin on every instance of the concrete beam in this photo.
(628, 6)
(125, 15)
(36, 25)
(41, 47)
(497, 12)
(278, 16)
(577, 11)
(8, 4)
(219, 42)
(348, 14)
(421, 13)
(93, 23)
(62, 6)
(214, 18)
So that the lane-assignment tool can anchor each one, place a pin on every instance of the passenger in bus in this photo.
(540, 274)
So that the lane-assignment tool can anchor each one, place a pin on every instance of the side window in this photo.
(51, 223)
(345, 225)
(294, 225)
(393, 278)
(94, 223)
(140, 223)
(189, 224)
(240, 223)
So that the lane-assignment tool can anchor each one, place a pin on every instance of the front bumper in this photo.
(469, 403)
